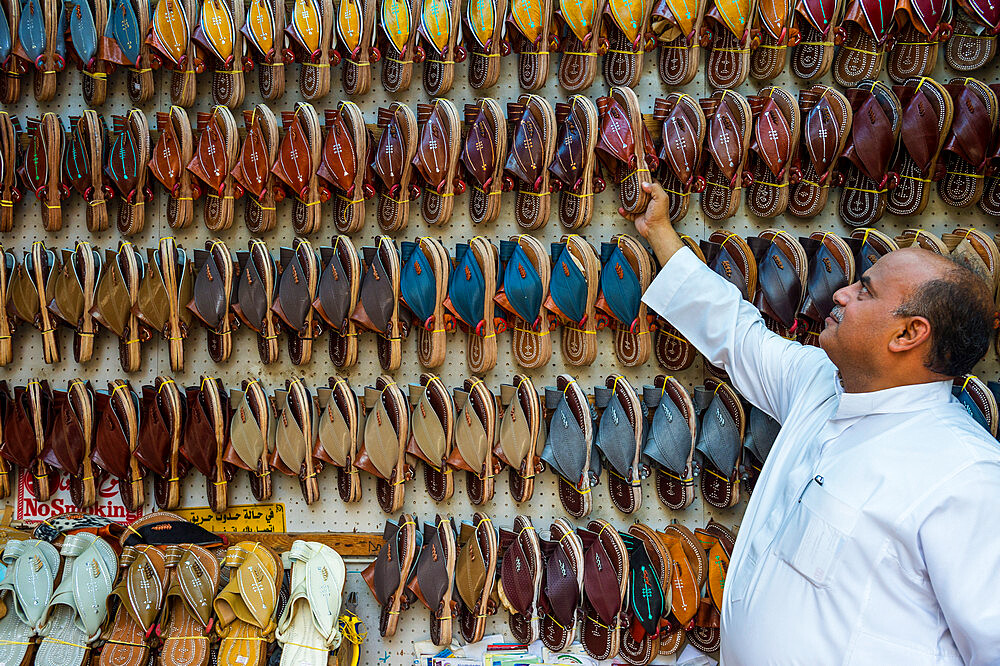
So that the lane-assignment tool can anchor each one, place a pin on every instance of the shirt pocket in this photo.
(814, 534)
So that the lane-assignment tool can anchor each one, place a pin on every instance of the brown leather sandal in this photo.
(83, 165)
(74, 294)
(816, 28)
(574, 161)
(116, 300)
(378, 301)
(383, 449)
(165, 290)
(212, 297)
(295, 437)
(40, 167)
(730, 125)
(677, 26)
(337, 297)
(171, 154)
(344, 165)
(475, 437)
(920, 26)
(436, 159)
(161, 431)
(975, 116)
(299, 271)
(251, 436)
(256, 288)
(625, 147)
(338, 434)
(393, 164)
(825, 130)
(532, 128)
(205, 438)
(517, 447)
(213, 162)
(432, 434)
(297, 166)
(861, 56)
(580, 42)
(777, 125)
(252, 172)
(484, 155)
(973, 42)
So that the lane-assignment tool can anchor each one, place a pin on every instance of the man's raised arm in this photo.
(710, 312)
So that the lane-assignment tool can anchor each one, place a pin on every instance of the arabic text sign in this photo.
(248, 518)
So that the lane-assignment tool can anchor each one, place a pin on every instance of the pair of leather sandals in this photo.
(571, 303)
(470, 300)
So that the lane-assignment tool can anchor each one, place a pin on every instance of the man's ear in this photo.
(916, 331)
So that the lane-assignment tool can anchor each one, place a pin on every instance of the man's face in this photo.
(862, 323)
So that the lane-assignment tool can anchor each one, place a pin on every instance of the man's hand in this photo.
(654, 224)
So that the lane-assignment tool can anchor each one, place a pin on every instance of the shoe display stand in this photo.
(329, 513)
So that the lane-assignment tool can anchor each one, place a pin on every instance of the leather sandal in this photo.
(484, 156)
(423, 289)
(128, 174)
(471, 291)
(648, 600)
(264, 31)
(82, 166)
(14, 63)
(140, 595)
(205, 437)
(43, 42)
(689, 567)
(308, 628)
(78, 607)
(865, 29)
(251, 436)
(311, 32)
(722, 424)
(677, 26)
(927, 117)
(683, 132)
(26, 590)
(246, 607)
(973, 42)
(525, 271)
(6, 465)
(40, 167)
(783, 275)
(397, 37)
(344, 163)
(729, 255)
(393, 163)
(171, 154)
(475, 575)
(925, 240)
(186, 623)
(975, 116)
(717, 543)
(116, 300)
(979, 399)
(166, 288)
(168, 36)
(183, 79)
(378, 301)
(117, 438)
(161, 431)
(213, 162)
(530, 24)
(670, 440)
(625, 147)
(618, 437)
(762, 430)
(8, 269)
(338, 434)
(875, 129)
(355, 25)
(337, 297)
(569, 444)
(626, 272)
(579, 42)
(574, 160)
(816, 27)
(73, 296)
(218, 32)
(483, 31)
(770, 26)
(436, 159)
(87, 32)
(299, 271)
(730, 124)
(439, 28)
(387, 577)
(532, 128)
(71, 440)
(432, 434)
(213, 295)
(28, 421)
(726, 34)
(831, 267)
(775, 141)
(519, 582)
(295, 437)
(31, 289)
(919, 26)
(976, 250)
(383, 451)
(139, 79)
(572, 297)
(433, 582)
(605, 583)
(475, 439)
(10, 192)
(517, 447)
(990, 201)
(562, 586)
(252, 171)
(625, 29)
(257, 286)
(297, 166)
(825, 131)
(873, 246)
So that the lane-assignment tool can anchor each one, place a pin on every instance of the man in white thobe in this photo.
(873, 534)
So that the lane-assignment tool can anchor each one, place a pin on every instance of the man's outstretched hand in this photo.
(654, 224)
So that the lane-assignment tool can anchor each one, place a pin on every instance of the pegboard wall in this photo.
(329, 513)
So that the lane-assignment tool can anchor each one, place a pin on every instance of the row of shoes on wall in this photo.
(164, 430)
(628, 595)
(854, 37)
(82, 590)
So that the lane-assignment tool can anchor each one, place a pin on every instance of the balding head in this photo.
(914, 316)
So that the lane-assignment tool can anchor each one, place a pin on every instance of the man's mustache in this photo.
(837, 313)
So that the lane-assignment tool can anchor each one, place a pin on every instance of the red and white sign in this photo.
(109, 502)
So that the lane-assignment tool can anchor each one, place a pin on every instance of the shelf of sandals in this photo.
(789, 82)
